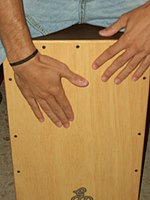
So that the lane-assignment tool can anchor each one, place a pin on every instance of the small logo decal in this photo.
(80, 194)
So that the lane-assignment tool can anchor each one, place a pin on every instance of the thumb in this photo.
(75, 79)
(115, 27)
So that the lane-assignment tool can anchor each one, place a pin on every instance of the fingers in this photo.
(35, 108)
(142, 68)
(29, 98)
(140, 61)
(134, 62)
(119, 62)
(56, 105)
(57, 108)
(59, 111)
(108, 54)
(115, 27)
(65, 105)
(53, 111)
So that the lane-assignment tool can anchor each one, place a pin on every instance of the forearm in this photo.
(14, 32)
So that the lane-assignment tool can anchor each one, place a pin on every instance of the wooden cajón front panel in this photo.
(99, 157)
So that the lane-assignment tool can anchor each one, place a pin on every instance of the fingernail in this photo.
(59, 124)
(101, 31)
(41, 120)
(134, 78)
(94, 66)
(117, 81)
(104, 78)
(71, 119)
(66, 125)
(83, 82)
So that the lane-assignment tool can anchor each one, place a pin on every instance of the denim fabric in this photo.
(47, 16)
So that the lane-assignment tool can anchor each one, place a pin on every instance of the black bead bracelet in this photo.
(25, 59)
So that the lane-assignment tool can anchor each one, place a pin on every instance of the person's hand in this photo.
(39, 80)
(134, 44)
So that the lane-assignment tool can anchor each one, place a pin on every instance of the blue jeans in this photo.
(48, 16)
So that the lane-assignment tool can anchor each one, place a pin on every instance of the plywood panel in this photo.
(101, 151)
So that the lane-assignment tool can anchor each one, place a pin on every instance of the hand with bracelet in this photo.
(37, 76)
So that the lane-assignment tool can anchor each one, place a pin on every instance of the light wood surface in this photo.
(101, 151)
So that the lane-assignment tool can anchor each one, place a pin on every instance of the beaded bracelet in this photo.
(25, 59)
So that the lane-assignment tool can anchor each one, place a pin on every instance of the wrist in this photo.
(24, 60)
(17, 42)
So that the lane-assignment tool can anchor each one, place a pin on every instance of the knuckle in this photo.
(122, 75)
(144, 65)
(47, 111)
(34, 107)
(108, 73)
(123, 16)
(65, 107)
(42, 95)
(137, 47)
(146, 49)
(118, 62)
(64, 67)
(130, 67)
(123, 19)
(56, 111)
(56, 91)
(109, 52)
(127, 39)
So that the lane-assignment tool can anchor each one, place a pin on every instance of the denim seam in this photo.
(82, 11)
(36, 25)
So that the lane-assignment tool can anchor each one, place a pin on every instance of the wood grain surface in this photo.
(101, 151)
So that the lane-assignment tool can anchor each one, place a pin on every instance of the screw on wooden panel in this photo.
(139, 134)
(18, 171)
(10, 79)
(43, 47)
(77, 46)
(144, 78)
(136, 170)
(15, 136)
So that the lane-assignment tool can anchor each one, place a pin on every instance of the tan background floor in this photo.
(7, 190)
